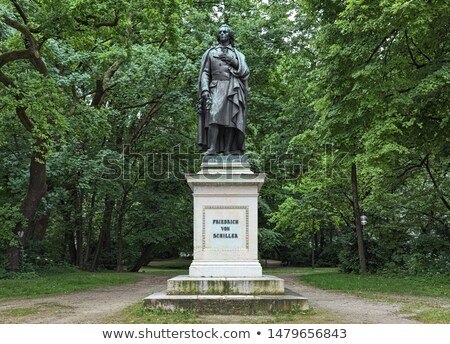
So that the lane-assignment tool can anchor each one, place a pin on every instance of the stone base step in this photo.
(227, 304)
(187, 285)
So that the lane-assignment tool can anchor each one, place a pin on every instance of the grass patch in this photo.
(302, 271)
(176, 263)
(163, 271)
(61, 284)
(19, 312)
(427, 311)
(137, 314)
(438, 285)
(16, 315)
(440, 316)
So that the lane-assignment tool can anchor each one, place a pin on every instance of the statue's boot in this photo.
(213, 134)
(210, 151)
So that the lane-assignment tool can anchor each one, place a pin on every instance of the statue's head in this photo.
(225, 32)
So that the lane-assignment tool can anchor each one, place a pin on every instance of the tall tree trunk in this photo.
(40, 227)
(321, 240)
(119, 226)
(37, 188)
(70, 243)
(313, 246)
(89, 230)
(358, 224)
(119, 240)
(78, 221)
(69, 237)
(104, 236)
(14, 258)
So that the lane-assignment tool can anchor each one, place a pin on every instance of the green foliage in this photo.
(377, 91)
(332, 84)
(5, 274)
(267, 240)
(377, 258)
(9, 216)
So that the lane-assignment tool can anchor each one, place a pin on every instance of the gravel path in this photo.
(94, 305)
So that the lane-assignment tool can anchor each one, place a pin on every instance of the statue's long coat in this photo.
(228, 96)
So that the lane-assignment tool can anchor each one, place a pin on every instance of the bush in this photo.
(376, 258)
(329, 256)
(5, 274)
(430, 254)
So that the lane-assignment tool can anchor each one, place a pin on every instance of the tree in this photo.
(78, 105)
(379, 89)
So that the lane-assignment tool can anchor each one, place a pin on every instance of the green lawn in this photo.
(164, 271)
(61, 283)
(434, 285)
(174, 263)
(302, 271)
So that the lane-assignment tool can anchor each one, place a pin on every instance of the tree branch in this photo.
(20, 11)
(6, 80)
(394, 31)
(15, 55)
(436, 186)
(411, 167)
(23, 29)
(136, 105)
(420, 51)
(411, 55)
(345, 219)
(100, 90)
(20, 111)
(144, 122)
(348, 198)
(26, 122)
(30, 43)
(113, 23)
(97, 23)
(42, 41)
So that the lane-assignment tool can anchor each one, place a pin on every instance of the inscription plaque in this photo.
(225, 228)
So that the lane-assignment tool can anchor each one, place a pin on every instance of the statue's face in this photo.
(224, 35)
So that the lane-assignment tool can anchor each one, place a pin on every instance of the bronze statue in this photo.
(222, 93)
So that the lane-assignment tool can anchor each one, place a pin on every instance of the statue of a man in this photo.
(223, 90)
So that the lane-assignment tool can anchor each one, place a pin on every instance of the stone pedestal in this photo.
(225, 260)
(225, 219)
